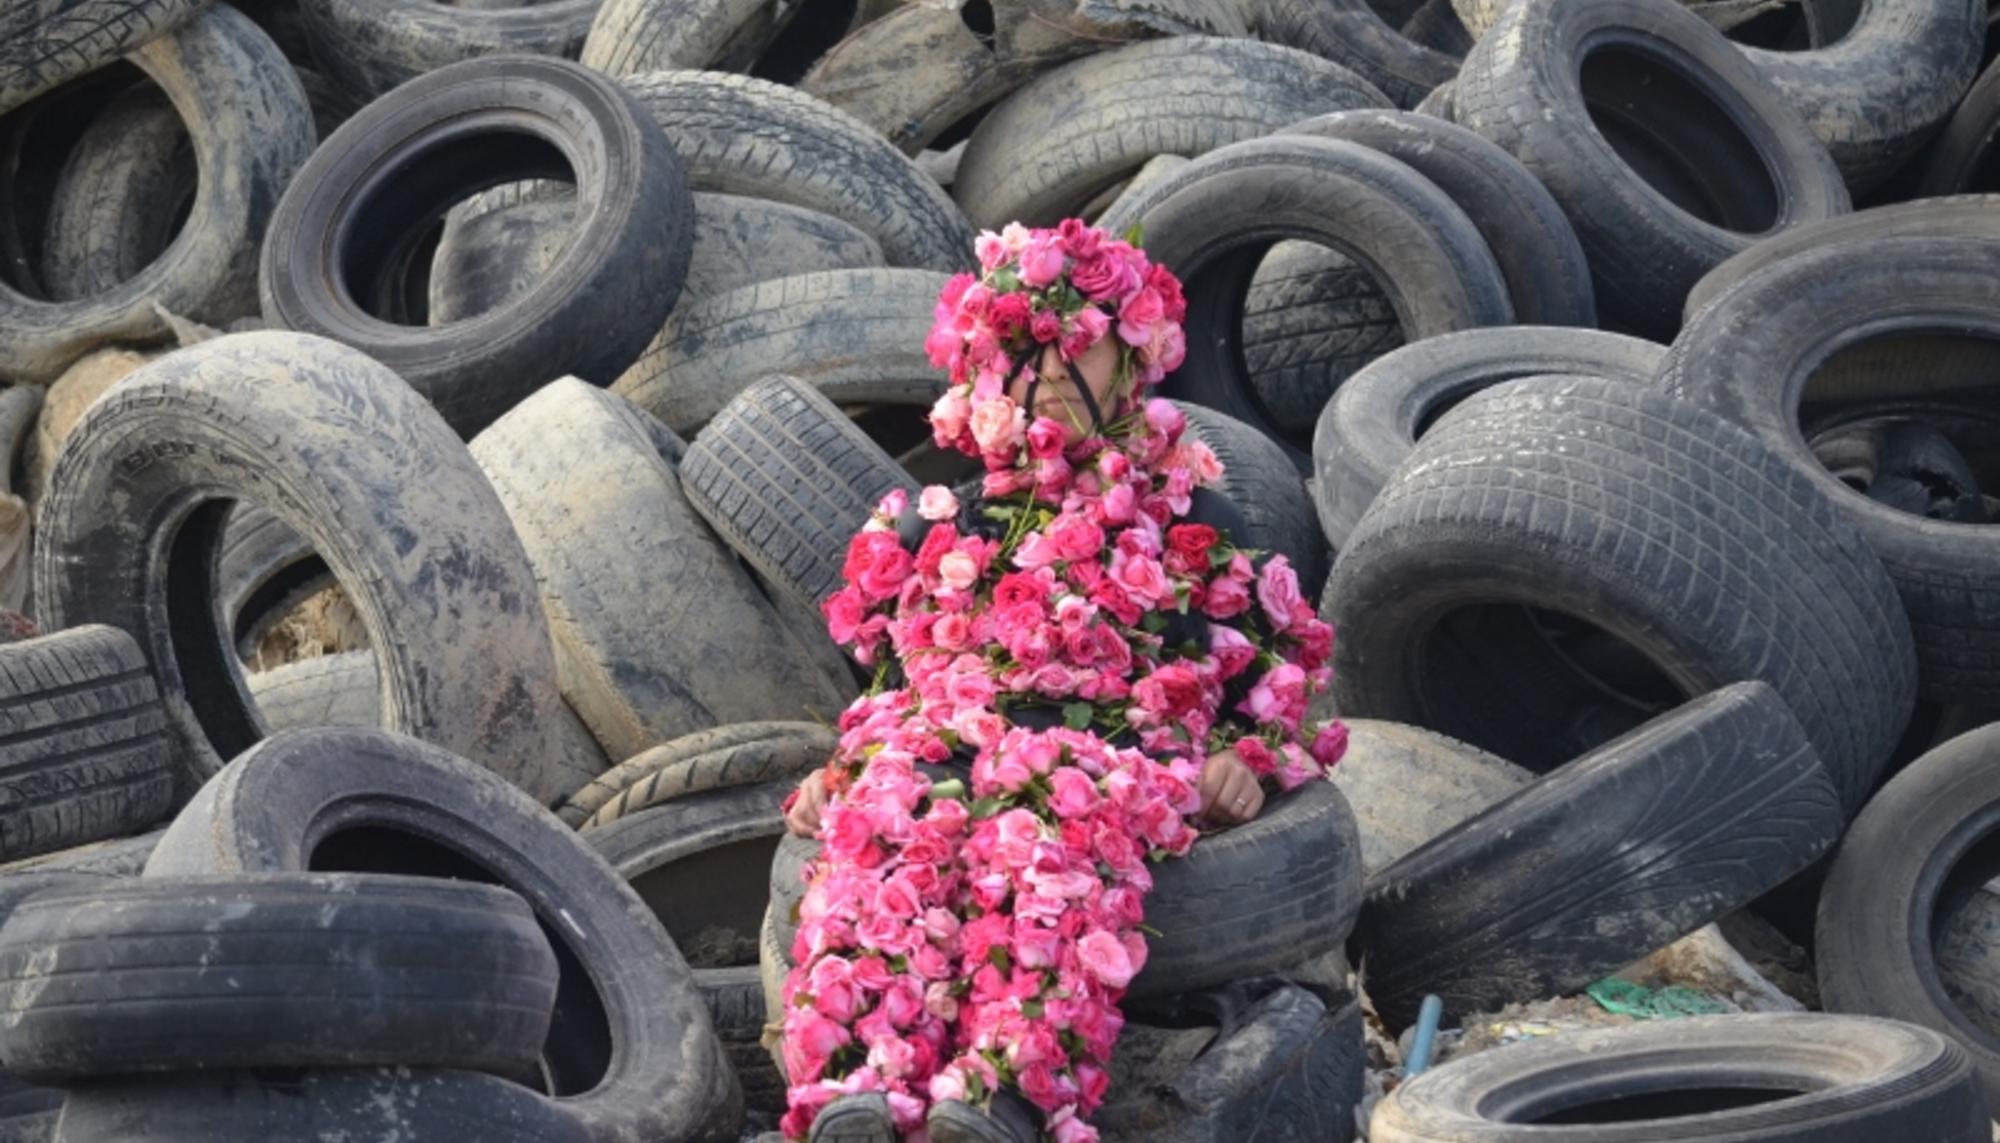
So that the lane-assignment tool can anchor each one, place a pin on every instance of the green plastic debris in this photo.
(1624, 998)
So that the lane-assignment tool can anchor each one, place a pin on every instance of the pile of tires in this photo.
(429, 431)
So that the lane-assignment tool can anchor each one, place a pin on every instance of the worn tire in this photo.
(630, 1050)
(487, 259)
(629, 37)
(658, 630)
(743, 754)
(1548, 277)
(1821, 1079)
(1212, 220)
(122, 192)
(1965, 158)
(344, 690)
(252, 129)
(1879, 93)
(278, 971)
(701, 865)
(1912, 860)
(266, 570)
(1349, 33)
(1764, 356)
(1052, 146)
(124, 857)
(44, 43)
(1955, 216)
(856, 335)
(84, 750)
(1572, 87)
(332, 259)
(371, 46)
(1377, 417)
(1288, 1066)
(1263, 484)
(1623, 851)
(745, 136)
(1407, 785)
(389, 1103)
(1590, 499)
(1312, 318)
(405, 519)
(786, 479)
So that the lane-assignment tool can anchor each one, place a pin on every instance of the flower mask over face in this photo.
(1043, 295)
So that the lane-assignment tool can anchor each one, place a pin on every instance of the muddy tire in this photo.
(1262, 483)
(1548, 278)
(630, 1050)
(964, 69)
(389, 1103)
(267, 569)
(1933, 309)
(742, 754)
(1879, 93)
(1378, 416)
(855, 335)
(1843, 1079)
(658, 630)
(1912, 860)
(344, 690)
(1312, 318)
(84, 749)
(786, 480)
(1969, 216)
(1285, 1065)
(124, 857)
(1609, 130)
(1966, 158)
(1620, 852)
(406, 521)
(332, 262)
(1407, 786)
(631, 37)
(252, 129)
(1349, 33)
(1055, 144)
(370, 46)
(44, 43)
(1436, 26)
(1213, 219)
(1527, 583)
(122, 190)
(487, 259)
(744, 136)
(701, 864)
(280, 971)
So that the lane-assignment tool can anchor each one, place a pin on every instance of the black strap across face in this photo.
(1082, 389)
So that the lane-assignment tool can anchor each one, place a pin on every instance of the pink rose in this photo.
(1046, 437)
(1227, 597)
(1046, 326)
(937, 503)
(1137, 316)
(1086, 329)
(1165, 417)
(1278, 591)
(1042, 260)
(998, 425)
(1075, 537)
(1105, 958)
(957, 569)
(1072, 793)
(1330, 744)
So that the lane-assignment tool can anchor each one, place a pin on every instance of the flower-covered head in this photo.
(1045, 300)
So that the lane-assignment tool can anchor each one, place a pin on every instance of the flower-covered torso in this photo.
(1084, 646)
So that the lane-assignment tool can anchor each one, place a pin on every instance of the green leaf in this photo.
(985, 808)
(1135, 234)
(1000, 959)
(950, 788)
(1032, 1009)
(1076, 715)
(1153, 622)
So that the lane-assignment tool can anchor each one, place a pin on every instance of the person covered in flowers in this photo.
(1075, 671)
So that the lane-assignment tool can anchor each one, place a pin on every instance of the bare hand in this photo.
(1230, 794)
(803, 820)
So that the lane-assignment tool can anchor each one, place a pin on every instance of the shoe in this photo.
(1009, 1119)
(854, 1119)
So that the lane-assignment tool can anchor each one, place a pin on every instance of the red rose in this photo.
(1188, 546)
(1009, 314)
